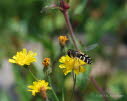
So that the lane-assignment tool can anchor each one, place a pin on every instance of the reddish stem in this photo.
(99, 88)
(64, 9)
(66, 16)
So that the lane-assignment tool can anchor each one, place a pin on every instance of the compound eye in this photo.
(69, 53)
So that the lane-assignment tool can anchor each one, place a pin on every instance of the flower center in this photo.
(76, 64)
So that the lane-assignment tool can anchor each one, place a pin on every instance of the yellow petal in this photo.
(69, 64)
(24, 51)
(62, 66)
(81, 69)
(11, 61)
(23, 58)
(66, 71)
(37, 86)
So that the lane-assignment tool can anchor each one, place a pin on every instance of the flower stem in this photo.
(74, 80)
(99, 88)
(62, 94)
(56, 98)
(66, 16)
(33, 75)
(47, 99)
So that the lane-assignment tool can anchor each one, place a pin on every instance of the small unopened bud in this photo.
(62, 40)
(46, 62)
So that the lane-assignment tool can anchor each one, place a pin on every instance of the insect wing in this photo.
(91, 47)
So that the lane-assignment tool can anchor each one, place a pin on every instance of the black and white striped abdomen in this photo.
(85, 58)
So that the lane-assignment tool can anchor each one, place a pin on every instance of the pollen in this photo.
(23, 58)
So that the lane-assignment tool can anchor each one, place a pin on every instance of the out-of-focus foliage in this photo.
(94, 21)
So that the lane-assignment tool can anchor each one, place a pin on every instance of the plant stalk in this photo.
(99, 88)
(33, 75)
(47, 99)
(66, 16)
(55, 96)
(74, 80)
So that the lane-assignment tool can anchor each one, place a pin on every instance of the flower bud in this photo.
(46, 62)
(62, 40)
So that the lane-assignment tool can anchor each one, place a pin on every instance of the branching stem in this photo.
(66, 16)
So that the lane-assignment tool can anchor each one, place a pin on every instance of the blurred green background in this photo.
(30, 24)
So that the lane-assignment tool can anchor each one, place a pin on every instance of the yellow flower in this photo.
(62, 40)
(71, 64)
(46, 62)
(38, 86)
(23, 58)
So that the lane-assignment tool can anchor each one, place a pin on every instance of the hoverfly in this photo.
(80, 55)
